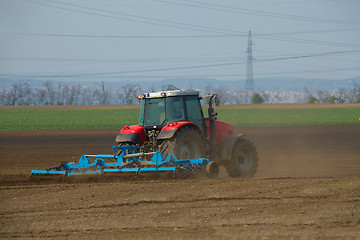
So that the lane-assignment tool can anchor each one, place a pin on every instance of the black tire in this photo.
(187, 143)
(119, 152)
(244, 160)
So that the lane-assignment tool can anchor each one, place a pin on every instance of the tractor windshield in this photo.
(152, 112)
(161, 111)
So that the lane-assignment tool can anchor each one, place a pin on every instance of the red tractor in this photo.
(172, 122)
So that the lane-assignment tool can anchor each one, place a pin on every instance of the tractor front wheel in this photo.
(244, 160)
(186, 144)
(119, 152)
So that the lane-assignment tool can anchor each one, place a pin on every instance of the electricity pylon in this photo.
(249, 84)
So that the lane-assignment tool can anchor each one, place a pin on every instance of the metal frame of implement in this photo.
(128, 161)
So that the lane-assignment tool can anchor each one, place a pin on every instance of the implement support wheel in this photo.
(212, 170)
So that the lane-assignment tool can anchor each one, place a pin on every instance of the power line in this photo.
(311, 32)
(187, 59)
(220, 32)
(126, 60)
(238, 34)
(232, 9)
(308, 56)
(125, 36)
(181, 76)
(268, 36)
(102, 74)
(131, 17)
(305, 41)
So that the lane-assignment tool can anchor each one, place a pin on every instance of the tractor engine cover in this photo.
(131, 134)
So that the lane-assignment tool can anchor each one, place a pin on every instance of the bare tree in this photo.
(61, 94)
(87, 96)
(70, 95)
(130, 93)
(239, 96)
(355, 93)
(265, 96)
(17, 94)
(12, 95)
(102, 94)
(208, 89)
(75, 94)
(39, 96)
(323, 96)
(278, 97)
(50, 93)
(222, 94)
(308, 95)
(151, 88)
(342, 95)
(3, 97)
(119, 96)
(24, 94)
(9, 96)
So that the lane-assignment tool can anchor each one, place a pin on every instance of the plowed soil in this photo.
(307, 187)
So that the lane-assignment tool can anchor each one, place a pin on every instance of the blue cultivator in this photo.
(129, 161)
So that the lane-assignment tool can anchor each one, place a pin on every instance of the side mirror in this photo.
(217, 102)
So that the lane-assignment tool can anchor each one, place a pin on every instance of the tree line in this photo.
(339, 96)
(51, 93)
(60, 93)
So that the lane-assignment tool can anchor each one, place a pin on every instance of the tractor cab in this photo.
(163, 108)
(162, 114)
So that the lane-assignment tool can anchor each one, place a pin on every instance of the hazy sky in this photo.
(78, 40)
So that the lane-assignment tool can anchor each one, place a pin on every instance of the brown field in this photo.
(307, 187)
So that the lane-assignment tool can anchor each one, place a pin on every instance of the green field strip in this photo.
(16, 120)
(13, 120)
(290, 117)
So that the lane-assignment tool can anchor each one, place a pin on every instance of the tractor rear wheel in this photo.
(186, 144)
(244, 160)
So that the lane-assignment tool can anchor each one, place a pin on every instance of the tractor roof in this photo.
(169, 94)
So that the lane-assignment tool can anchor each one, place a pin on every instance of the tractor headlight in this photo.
(141, 96)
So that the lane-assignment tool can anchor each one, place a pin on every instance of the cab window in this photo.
(194, 111)
(174, 109)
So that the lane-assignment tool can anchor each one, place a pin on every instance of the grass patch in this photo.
(290, 117)
(14, 119)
